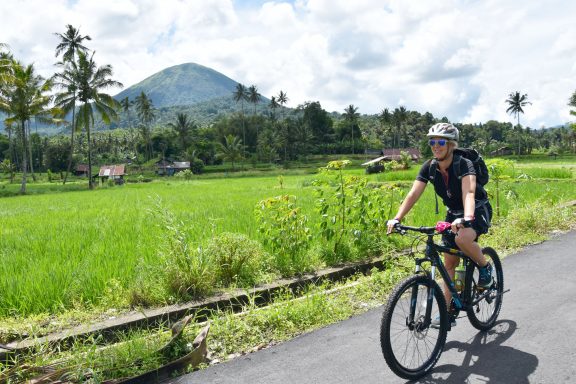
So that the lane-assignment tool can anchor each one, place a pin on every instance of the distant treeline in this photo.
(268, 135)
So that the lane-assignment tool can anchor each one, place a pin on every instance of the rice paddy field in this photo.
(61, 248)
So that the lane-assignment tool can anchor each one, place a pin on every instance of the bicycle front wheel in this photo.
(411, 347)
(484, 304)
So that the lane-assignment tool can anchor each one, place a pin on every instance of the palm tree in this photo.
(125, 103)
(273, 105)
(70, 44)
(253, 96)
(516, 102)
(183, 127)
(92, 80)
(399, 116)
(351, 115)
(145, 110)
(385, 119)
(241, 95)
(231, 149)
(282, 99)
(572, 103)
(24, 96)
(5, 64)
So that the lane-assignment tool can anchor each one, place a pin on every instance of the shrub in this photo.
(185, 271)
(197, 166)
(239, 260)
(285, 232)
(185, 174)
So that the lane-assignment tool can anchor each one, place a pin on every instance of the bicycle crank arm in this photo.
(485, 294)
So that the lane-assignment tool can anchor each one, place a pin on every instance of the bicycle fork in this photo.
(421, 323)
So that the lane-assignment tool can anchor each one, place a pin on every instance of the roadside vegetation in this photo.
(233, 334)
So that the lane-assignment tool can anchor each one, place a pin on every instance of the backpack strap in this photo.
(456, 166)
(431, 176)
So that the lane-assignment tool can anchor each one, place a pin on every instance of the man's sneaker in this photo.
(485, 279)
(436, 322)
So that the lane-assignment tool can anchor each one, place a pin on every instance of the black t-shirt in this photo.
(451, 192)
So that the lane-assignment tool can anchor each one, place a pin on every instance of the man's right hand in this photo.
(390, 224)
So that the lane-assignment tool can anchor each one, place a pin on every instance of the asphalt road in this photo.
(534, 340)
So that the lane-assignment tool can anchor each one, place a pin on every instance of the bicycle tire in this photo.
(484, 314)
(412, 353)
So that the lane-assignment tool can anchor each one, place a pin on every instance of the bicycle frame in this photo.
(432, 255)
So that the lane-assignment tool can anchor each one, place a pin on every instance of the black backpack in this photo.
(482, 176)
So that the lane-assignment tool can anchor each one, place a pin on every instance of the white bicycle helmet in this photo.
(445, 130)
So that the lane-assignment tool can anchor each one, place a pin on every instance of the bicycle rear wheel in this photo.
(411, 348)
(486, 303)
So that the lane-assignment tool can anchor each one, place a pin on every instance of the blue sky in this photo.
(455, 58)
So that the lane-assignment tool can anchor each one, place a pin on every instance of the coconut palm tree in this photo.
(351, 116)
(572, 103)
(125, 103)
(254, 96)
(282, 99)
(24, 96)
(515, 103)
(241, 95)
(183, 127)
(92, 81)
(385, 118)
(231, 149)
(399, 116)
(70, 44)
(273, 105)
(6, 59)
(145, 110)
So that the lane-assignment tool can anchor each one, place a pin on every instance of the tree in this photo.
(70, 44)
(125, 103)
(145, 110)
(24, 96)
(572, 103)
(241, 95)
(253, 96)
(515, 103)
(273, 105)
(92, 80)
(351, 116)
(282, 99)
(399, 116)
(6, 59)
(183, 127)
(231, 149)
(385, 118)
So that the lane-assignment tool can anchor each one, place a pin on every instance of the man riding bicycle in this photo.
(469, 210)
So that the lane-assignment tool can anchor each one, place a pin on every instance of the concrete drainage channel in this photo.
(108, 329)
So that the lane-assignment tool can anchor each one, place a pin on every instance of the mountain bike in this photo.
(410, 342)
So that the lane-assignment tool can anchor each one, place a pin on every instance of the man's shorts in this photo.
(481, 223)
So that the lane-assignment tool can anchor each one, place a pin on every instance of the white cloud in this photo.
(454, 58)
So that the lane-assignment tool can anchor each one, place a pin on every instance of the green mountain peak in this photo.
(184, 84)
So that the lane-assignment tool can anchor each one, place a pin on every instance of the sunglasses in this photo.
(440, 142)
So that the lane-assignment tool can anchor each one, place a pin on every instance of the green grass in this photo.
(61, 251)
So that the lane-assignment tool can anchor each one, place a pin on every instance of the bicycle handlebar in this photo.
(440, 227)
